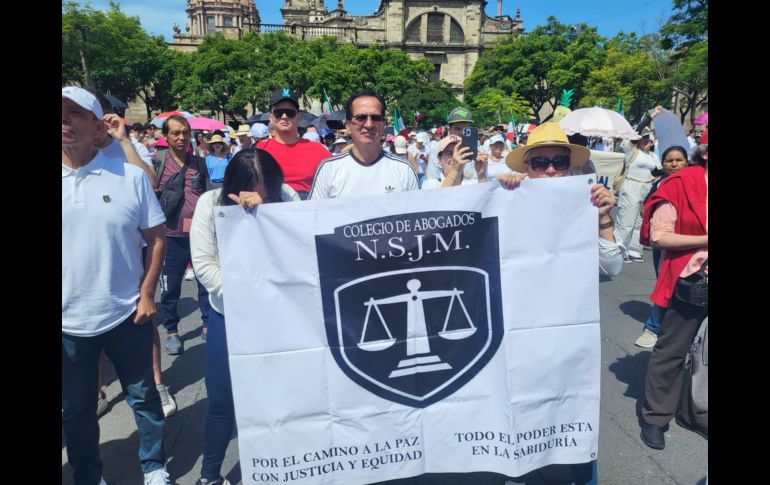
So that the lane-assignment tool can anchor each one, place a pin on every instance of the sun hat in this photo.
(547, 135)
(340, 141)
(216, 139)
(243, 130)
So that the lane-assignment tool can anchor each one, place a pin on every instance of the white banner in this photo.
(384, 337)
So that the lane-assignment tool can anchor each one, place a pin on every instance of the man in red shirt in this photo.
(297, 157)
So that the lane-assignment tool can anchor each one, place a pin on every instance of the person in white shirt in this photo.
(639, 163)
(418, 155)
(366, 168)
(108, 297)
(252, 177)
(496, 165)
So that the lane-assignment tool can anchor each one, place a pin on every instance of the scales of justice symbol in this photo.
(418, 354)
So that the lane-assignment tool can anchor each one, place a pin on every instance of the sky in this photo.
(610, 16)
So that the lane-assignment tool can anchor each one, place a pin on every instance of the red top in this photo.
(686, 190)
(298, 161)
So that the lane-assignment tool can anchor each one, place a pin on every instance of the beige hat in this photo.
(547, 135)
(216, 139)
(400, 145)
(243, 130)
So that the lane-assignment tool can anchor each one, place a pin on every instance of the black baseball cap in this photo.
(282, 94)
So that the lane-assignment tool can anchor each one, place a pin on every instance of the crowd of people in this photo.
(166, 185)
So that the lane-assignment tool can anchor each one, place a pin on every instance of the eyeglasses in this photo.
(179, 133)
(540, 164)
(290, 113)
(361, 119)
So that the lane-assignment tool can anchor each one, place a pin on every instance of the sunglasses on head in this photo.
(540, 164)
(290, 113)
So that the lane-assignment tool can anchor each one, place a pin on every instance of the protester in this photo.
(366, 168)
(172, 161)
(548, 154)
(107, 296)
(418, 155)
(217, 160)
(639, 164)
(251, 178)
(298, 158)
(496, 165)
(453, 159)
(674, 160)
(676, 221)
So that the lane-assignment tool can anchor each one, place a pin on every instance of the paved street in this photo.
(623, 458)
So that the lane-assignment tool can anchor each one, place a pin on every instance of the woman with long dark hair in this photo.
(252, 177)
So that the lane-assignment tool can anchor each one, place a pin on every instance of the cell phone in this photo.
(470, 139)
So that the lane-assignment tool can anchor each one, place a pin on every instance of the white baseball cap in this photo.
(312, 136)
(400, 145)
(84, 99)
(423, 138)
(258, 130)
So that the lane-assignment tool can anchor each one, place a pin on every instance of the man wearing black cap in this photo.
(297, 157)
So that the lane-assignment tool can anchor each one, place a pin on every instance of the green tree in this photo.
(433, 100)
(108, 51)
(493, 107)
(686, 36)
(538, 65)
(629, 73)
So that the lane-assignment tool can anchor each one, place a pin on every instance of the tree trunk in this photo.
(86, 73)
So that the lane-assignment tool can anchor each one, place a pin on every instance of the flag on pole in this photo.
(619, 107)
(398, 122)
(418, 116)
(327, 102)
(511, 135)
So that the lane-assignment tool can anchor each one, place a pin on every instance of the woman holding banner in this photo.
(252, 177)
(549, 154)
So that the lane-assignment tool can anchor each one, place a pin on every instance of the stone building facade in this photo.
(450, 33)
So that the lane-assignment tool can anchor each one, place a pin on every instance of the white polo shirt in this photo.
(104, 206)
(345, 176)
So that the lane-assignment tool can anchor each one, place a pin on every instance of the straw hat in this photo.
(216, 139)
(547, 135)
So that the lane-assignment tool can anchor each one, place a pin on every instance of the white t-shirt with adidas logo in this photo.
(344, 175)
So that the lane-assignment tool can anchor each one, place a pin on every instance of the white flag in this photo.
(373, 338)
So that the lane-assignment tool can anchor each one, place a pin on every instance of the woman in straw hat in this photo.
(547, 154)
(217, 160)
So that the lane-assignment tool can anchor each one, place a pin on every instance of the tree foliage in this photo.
(538, 65)
(108, 51)
(433, 100)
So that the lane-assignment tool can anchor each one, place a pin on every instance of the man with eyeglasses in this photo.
(177, 160)
(297, 157)
(366, 168)
(549, 154)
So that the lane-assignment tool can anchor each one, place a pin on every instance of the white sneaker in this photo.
(189, 274)
(646, 340)
(157, 477)
(166, 400)
(102, 404)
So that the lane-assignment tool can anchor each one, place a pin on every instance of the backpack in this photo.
(693, 412)
(171, 195)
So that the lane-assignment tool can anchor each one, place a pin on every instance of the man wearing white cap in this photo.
(259, 131)
(108, 209)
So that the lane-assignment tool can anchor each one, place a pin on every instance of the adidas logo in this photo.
(389, 188)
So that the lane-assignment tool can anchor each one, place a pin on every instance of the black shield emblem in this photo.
(412, 303)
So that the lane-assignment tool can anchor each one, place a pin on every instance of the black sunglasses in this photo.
(540, 164)
(361, 119)
(290, 113)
